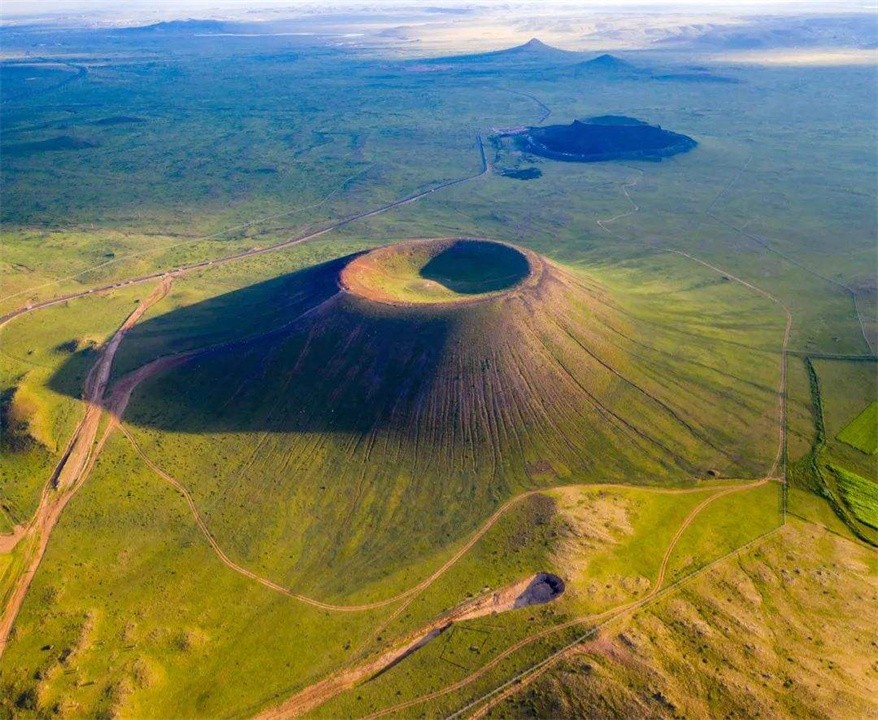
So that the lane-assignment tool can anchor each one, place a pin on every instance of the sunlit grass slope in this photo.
(862, 431)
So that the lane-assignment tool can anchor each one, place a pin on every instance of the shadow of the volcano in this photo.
(293, 354)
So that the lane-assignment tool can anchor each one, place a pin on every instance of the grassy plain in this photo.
(133, 613)
(862, 431)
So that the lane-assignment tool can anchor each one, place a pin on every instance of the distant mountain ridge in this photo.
(178, 26)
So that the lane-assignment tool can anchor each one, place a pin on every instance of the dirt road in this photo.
(255, 251)
(74, 465)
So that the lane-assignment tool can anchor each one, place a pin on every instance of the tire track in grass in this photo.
(635, 208)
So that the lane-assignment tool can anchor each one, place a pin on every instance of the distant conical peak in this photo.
(535, 44)
(607, 59)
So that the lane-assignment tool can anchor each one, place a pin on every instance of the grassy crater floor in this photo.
(439, 271)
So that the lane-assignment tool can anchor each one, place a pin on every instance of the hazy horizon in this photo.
(167, 9)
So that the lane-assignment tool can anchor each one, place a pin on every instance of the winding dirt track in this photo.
(612, 612)
(634, 206)
(319, 693)
(360, 607)
(74, 465)
(519, 682)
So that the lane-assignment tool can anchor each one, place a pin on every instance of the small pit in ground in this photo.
(544, 588)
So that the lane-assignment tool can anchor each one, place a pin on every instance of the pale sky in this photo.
(206, 8)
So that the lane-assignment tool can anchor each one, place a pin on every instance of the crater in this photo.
(438, 272)
(607, 137)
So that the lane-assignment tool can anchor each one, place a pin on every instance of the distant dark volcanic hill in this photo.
(533, 51)
(696, 77)
(606, 64)
(608, 137)
(181, 27)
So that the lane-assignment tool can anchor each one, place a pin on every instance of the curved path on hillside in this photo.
(315, 695)
(523, 679)
(415, 589)
(626, 607)
(82, 452)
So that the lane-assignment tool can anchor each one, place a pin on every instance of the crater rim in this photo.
(393, 274)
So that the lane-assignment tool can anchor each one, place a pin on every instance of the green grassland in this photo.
(859, 494)
(618, 539)
(365, 453)
(143, 162)
(835, 392)
(43, 415)
(128, 569)
(862, 431)
(315, 147)
(843, 387)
